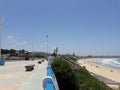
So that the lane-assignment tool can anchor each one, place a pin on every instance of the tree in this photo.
(22, 51)
(5, 51)
(12, 52)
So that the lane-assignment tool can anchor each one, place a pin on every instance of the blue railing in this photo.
(50, 82)
(50, 86)
(50, 72)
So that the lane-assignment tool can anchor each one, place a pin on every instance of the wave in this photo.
(113, 62)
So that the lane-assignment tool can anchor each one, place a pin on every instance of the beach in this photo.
(104, 71)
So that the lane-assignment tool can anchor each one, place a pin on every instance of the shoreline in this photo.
(106, 65)
(101, 70)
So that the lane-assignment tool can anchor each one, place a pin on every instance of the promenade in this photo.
(13, 76)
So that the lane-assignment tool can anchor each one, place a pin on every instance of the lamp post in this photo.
(1, 35)
(47, 45)
(32, 50)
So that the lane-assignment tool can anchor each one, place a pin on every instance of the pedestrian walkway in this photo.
(35, 81)
(13, 76)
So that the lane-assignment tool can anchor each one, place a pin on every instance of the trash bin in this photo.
(2, 62)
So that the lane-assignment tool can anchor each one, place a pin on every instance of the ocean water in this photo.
(111, 62)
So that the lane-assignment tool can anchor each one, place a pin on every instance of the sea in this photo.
(109, 62)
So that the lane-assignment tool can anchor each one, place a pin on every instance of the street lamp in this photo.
(32, 51)
(1, 35)
(47, 46)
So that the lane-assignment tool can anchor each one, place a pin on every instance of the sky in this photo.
(83, 27)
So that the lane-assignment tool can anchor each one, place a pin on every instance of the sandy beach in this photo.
(107, 72)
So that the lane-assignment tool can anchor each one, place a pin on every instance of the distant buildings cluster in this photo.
(17, 54)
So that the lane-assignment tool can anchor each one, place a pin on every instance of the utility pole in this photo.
(32, 50)
(47, 45)
(1, 22)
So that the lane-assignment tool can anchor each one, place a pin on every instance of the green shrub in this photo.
(88, 82)
(66, 77)
(75, 79)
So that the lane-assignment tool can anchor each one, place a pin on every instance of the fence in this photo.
(50, 82)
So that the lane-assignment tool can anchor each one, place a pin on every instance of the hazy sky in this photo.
(85, 27)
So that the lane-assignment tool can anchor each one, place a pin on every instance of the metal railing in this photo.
(50, 82)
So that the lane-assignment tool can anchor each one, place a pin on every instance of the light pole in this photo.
(32, 50)
(1, 35)
(47, 45)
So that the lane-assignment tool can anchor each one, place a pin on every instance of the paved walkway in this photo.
(34, 82)
(14, 77)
